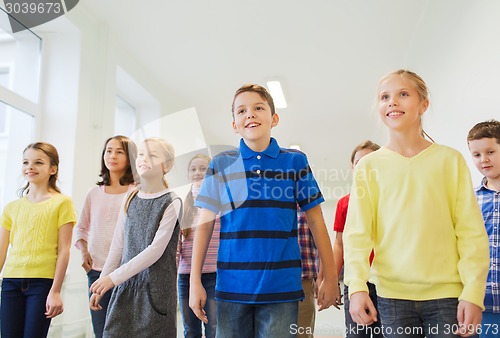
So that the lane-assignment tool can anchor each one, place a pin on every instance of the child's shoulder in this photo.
(17, 203)
(224, 159)
(96, 189)
(447, 149)
(173, 195)
(61, 199)
(227, 154)
(447, 152)
(292, 152)
(292, 158)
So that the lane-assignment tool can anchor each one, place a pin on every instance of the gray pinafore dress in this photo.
(145, 305)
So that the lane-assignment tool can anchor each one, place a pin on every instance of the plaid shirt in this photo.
(308, 251)
(489, 202)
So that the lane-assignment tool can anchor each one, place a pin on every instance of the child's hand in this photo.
(54, 305)
(197, 300)
(94, 302)
(328, 295)
(87, 260)
(102, 285)
(361, 309)
(317, 283)
(469, 318)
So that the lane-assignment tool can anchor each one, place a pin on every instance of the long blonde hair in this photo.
(189, 209)
(168, 151)
(420, 87)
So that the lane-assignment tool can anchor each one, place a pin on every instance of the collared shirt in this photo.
(489, 202)
(257, 195)
(308, 250)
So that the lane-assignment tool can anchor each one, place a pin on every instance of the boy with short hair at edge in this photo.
(256, 188)
(484, 144)
(412, 201)
(353, 330)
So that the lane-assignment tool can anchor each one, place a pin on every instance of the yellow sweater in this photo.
(422, 219)
(34, 235)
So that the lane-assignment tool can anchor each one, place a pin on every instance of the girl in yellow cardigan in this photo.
(38, 228)
(413, 202)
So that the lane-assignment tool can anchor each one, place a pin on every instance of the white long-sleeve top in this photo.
(148, 256)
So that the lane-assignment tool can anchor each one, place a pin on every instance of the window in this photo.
(4, 81)
(19, 80)
(124, 117)
(20, 128)
(21, 53)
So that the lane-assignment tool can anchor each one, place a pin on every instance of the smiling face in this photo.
(197, 169)
(36, 167)
(486, 156)
(151, 162)
(253, 120)
(399, 104)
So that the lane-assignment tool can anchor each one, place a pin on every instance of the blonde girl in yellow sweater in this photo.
(413, 202)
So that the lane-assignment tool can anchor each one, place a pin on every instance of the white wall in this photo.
(463, 77)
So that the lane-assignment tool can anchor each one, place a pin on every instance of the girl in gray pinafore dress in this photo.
(145, 305)
(144, 301)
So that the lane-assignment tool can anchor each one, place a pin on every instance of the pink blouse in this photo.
(97, 223)
(185, 247)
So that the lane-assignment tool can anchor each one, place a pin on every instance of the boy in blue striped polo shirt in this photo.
(484, 145)
(256, 188)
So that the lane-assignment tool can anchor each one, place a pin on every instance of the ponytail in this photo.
(130, 197)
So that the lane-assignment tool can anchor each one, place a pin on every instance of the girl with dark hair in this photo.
(95, 228)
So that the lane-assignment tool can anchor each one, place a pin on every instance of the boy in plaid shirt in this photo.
(484, 145)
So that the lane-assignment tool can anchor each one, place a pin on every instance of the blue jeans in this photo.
(22, 309)
(98, 317)
(257, 320)
(192, 325)
(490, 325)
(354, 330)
(435, 318)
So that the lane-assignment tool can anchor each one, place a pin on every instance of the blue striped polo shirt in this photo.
(257, 195)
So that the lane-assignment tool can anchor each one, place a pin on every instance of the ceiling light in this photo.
(277, 94)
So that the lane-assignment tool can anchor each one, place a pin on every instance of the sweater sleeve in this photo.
(472, 240)
(82, 228)
(357, 235)
(154, 251)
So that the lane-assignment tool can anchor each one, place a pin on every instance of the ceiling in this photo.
(328, 56)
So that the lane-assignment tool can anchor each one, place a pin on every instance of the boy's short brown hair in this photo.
(486, 129)
(364, 145)
(264, 94)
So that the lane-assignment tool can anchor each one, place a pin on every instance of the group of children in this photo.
(414, 243)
